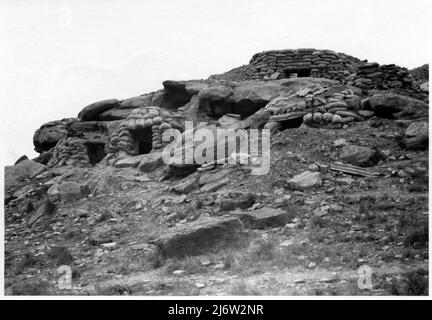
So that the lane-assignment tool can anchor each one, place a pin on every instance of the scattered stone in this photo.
(340, 143)
(150, 162)
(178, 272)
(205, 261)
(417, 136)
(305, 180)
(359, 156)
(213, 186)
(313, 167)
(200, 285)
(187, 185)
(264, 218)
(336, 208)
(129, 162)
(237, 200)
(67, 191)
(286, 243)
(46, 209)
(109, 245)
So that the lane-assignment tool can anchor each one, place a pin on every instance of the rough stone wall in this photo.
(122, 140)
(72, 151)
(390, 76)
(276, 64)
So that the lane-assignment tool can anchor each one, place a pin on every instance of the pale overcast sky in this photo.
(59, 56)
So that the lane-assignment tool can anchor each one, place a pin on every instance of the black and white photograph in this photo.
(215, 150)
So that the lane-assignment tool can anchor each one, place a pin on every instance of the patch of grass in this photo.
(320, 222)
(30, 288)
(71, 234)
(27, 260)
(414, 283)
(263, 249)
(114, 290)
(240, 288)
(191, 265)
(229, 260)
(60, 256)
(417, 238)
(317, 236)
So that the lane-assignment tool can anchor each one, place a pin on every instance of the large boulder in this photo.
(92, 111)
(389, 105)
(115, 114)
(244, 98)
(26, 169)
(177, 93)
(47, 136)
(359, 156)
(144, 100)
(249, 97)
(416, 136)
(200, 236)
(216, 100)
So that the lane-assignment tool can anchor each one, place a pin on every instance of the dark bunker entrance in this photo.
(95, 152)
(143, 140)
(300, 72)
(291, 123)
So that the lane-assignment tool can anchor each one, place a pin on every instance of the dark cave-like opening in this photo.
(96, 152)
(301, 72)
(291, 123)
(143, 140)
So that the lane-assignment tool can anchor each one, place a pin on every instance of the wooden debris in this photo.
(354, 170)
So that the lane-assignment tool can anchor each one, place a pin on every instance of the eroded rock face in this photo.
(216, 100)
(417, 136)
(249, 97)
(178, 93)
(243, 98)
(92, 111)
(47, 136)
(390, 105)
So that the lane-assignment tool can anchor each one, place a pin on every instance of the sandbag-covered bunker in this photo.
(79, 152)
(141, 132)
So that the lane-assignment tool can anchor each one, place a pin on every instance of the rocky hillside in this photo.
(347, 187)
